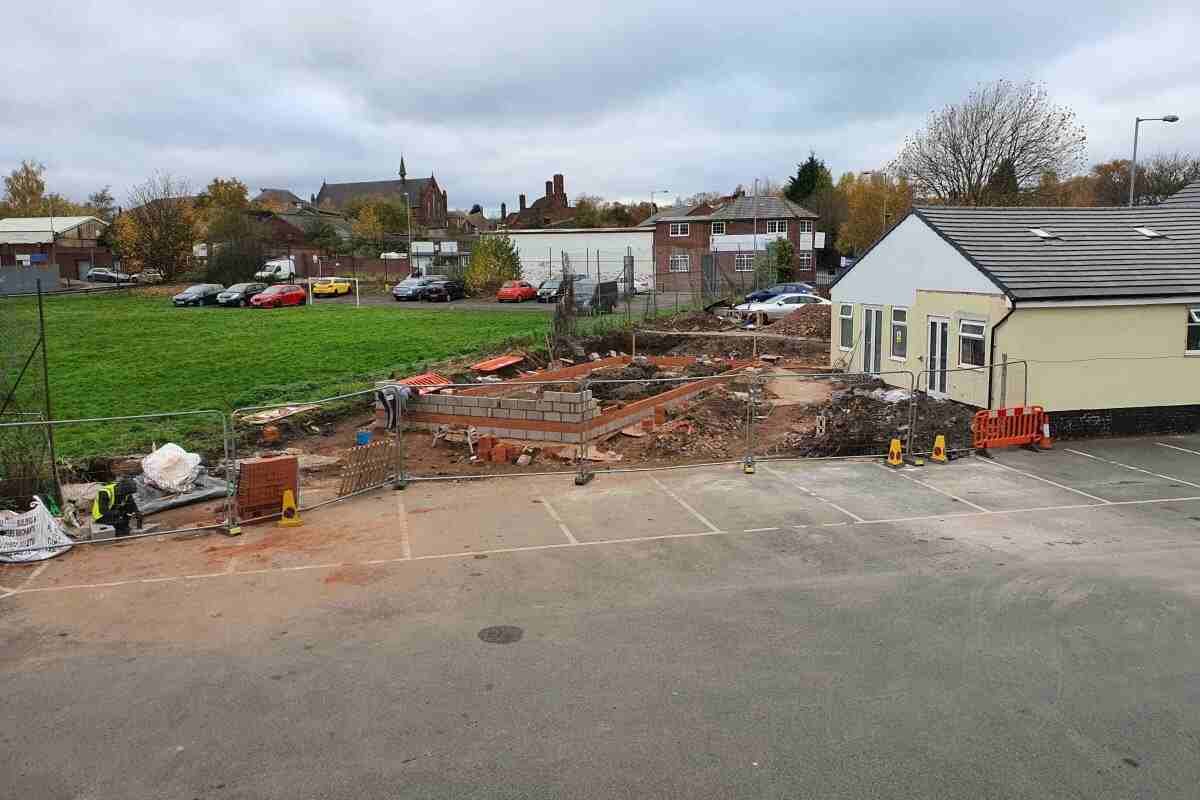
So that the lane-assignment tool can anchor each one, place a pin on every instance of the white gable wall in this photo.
(909, 258)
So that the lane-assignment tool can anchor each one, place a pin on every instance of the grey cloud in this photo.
(621, 97)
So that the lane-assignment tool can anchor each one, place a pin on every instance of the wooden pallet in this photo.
(368, 465)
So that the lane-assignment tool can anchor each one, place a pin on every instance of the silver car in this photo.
(778, 307)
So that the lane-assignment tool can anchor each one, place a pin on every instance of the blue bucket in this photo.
(363, 437)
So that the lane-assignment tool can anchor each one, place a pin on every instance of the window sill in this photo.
(972, 366)
(1191, 353)
(897, 358)
(845, 349)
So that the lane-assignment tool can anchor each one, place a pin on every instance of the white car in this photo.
(778, 307)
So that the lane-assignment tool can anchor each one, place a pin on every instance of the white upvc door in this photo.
(937, 355)
(872, 339)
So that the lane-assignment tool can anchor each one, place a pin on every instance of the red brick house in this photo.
(712, 248)
(545, 212)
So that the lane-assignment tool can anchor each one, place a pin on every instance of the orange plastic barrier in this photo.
(1004, 427)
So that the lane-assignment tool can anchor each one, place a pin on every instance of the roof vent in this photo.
(1042, 233)
(1150, 233)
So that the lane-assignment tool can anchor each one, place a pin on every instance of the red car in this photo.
(516, 292)
(282, 294)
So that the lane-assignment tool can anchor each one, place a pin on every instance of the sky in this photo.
(623, 98)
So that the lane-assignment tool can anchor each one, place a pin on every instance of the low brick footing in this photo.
(1125, 421)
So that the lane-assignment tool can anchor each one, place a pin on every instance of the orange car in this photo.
(516, 292)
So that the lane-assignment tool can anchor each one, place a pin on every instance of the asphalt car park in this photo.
(1023, 626)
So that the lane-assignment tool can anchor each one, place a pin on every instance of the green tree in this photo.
(811, 176)
(325, 238)
(240, 249)
(494, 260)
(101, 204)
(1002, 188)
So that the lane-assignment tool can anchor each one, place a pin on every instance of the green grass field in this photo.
(117, 355)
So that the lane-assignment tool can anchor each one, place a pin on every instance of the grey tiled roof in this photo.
(672, 214)
(1097, 253)
(765, 208)
(1187, 196)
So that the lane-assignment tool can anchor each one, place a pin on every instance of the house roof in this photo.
(1091, 253)
(740, 208)
(342, 193)
(284, 196)
(1187, 196)
(768, 207)
(36, 230)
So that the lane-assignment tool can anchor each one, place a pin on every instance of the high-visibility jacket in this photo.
(106, 498)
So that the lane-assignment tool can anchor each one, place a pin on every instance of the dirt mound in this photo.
(712, 426)
(811, 320)
(861, 421)
(693, 321)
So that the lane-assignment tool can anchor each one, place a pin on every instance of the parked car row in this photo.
(256, 295)
(432, 288)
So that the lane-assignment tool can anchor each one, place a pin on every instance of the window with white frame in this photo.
(1193, 330)
(846, 319)
(970, 344)
(777, 226)
(806, 226)
(804, 260)
(718, 229)
(681, 229)
(743, 262)
(680, 262)
(900, 333)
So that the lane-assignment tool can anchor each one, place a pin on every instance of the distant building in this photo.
(551, 210)
(282, 199)
(73, 243)
(712, 246)
(426, 199)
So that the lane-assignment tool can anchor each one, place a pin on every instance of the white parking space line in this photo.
(38, 571)
(562, 526)
(943, 492)
(811, 493)
(599, 542)
(703, 520)
(1180, 449)
(1135, 469)
(1044, 480)
(405, 543)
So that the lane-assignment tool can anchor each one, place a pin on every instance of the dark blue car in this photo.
(778, 289)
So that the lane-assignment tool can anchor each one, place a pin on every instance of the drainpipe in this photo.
(992, 352)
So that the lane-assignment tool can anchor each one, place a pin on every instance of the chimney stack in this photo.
(558, 189)
(549, 189)
(503, 212)
(522, 199)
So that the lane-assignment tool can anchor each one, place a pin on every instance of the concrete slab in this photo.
(734, 501)
(1154, 455)
(481, 515)
(980, 482)
(1093, 476)
(623, 507)
(866, 489)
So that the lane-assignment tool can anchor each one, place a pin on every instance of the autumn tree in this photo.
(221, 195)
(25, 189)
(368, 232)
(158, 230)
(494, 260)
(874, 202)
(390, 212)
(964, 145)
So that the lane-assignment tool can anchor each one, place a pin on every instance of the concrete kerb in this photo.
(125, 419)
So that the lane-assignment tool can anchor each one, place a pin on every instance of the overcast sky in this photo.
(621, 97)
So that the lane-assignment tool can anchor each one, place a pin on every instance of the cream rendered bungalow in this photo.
(1095, 310)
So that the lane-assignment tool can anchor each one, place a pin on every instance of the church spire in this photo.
(403, 171)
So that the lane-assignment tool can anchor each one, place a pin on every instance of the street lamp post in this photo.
(656, 191)
(1133, 165)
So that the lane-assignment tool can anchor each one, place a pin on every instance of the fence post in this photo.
(399, 398)
(752, 397)
(1003, 380)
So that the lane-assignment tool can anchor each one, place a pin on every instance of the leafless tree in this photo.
(160, 229)
(1000, 124)
(1163, 176)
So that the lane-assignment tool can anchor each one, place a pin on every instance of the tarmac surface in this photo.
(1023, 627)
